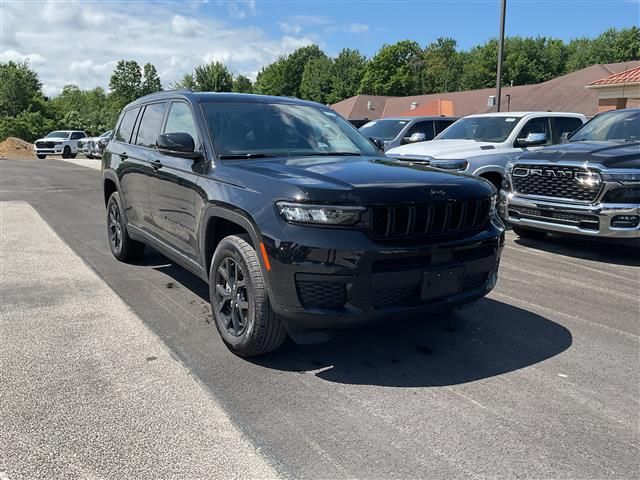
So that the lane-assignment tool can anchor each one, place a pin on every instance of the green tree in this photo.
(348, 70)
(150, 80)
(294, 68)
(125, 83)
(479, 66)
(270, 80)
(26, 125)
(187, 81)
(316, 79)
(242, 84)
(392, 71)
(213, 77)
(20, 88)
(441, 67)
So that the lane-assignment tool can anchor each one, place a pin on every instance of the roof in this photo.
(628, 77)
(420, 117)
(523, 114)
(221, 97)
(566, 93)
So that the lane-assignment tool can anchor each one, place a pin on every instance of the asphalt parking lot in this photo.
(539, 380)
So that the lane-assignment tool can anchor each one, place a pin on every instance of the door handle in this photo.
(156, 164)
(124, 155)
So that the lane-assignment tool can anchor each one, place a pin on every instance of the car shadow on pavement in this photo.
(488, 339)
(586, 249)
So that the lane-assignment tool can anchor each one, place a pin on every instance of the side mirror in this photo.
(178, 144)
(564, 138)
(417, 137)
(378, 142)
(532, 139)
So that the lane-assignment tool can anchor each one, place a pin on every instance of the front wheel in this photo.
(529, 233)
(66, 152)
(239, 301)
(41, 157)
(122, 246)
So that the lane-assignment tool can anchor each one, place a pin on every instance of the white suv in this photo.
(483, 144)
(59, 142)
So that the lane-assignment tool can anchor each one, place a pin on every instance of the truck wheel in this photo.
(239, 301)
(74, 155)
(41, 157)
(529, 233)
(122, 246)
(66, 152)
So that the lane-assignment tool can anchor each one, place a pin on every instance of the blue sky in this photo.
(79, 41)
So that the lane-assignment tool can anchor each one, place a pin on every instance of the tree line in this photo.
(402, 68)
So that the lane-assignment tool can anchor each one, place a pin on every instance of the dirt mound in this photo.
(15, 148)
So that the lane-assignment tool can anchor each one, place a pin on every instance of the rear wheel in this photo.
(239, 301)
(41, 157)
(122, 246)
(529, 233)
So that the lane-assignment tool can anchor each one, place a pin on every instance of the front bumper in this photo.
(590, 220)
(346, 279)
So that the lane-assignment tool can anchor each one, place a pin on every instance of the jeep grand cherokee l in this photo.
(589, 186)
(297, 222)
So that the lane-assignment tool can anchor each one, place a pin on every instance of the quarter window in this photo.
(180, 120)
(126, 125)
(150, 125)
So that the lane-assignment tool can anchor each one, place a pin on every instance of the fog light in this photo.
(625, 221)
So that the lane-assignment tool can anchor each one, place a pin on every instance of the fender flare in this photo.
(112, 176)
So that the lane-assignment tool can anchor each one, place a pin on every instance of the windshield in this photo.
(58, 134)
(613, 125)
(245, 130)
(384, 129)
(105, 134)
(481, 129)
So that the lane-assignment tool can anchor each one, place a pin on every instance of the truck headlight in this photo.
(458, 165)
(57, 144)
(508, 168)
(622, 176)
(320, 214)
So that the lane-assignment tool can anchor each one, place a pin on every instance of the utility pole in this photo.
(503, 12)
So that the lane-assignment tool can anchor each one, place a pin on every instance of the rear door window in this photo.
(126, 125)
(151, 125)
(442, 124)
(77, 135)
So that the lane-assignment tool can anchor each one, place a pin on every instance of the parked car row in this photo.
(299, 224)
(69, 143)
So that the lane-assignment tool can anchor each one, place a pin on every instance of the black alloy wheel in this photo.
(122, 246)
(115, 228)
(232, 299)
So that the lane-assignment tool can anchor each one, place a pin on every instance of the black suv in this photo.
(297, 222)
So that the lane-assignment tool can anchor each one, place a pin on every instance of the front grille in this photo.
(588, 222)
(410, 221)
(322, 294)
(44, 144)
(555, 181)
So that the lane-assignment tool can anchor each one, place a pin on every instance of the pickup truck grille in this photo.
(44, 144)
(412, 221)
(556, 181)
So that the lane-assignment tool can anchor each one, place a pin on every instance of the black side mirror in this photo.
(378, 142)
(178, 144)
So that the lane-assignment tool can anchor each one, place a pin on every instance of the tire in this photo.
(235, 274)
(66, 152)
(122, 246)
(41, 157)
(529, 233)
(74, 155)
(90, 157)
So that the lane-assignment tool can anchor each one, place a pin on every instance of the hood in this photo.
(361, 180)
(609, 154)
(446, 149)
(52, 139)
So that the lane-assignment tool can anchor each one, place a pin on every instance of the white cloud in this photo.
(71, 42)
(293, 28)
(357, 28)
(241, 8)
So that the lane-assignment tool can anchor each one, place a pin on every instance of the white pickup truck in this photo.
(59, 142)
(483, 144)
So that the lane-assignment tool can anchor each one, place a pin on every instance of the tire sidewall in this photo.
(224, 250)
(114, 198)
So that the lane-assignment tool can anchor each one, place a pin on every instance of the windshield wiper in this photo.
(328, 154)
(239, 156)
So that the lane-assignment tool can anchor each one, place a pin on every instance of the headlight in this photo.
(55, 144)
(508, 168)
(320, 214)
(450, 164)
(624, 176)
